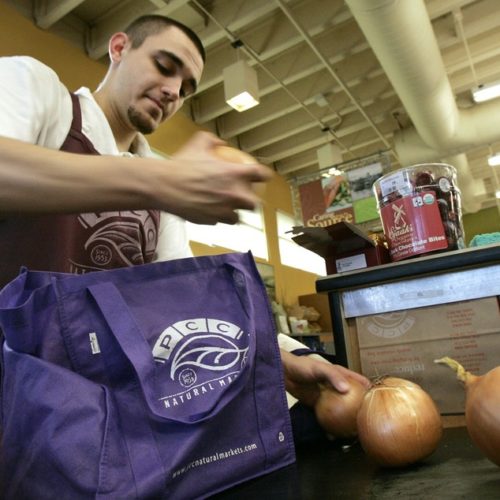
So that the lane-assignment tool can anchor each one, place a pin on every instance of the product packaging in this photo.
(420, 210)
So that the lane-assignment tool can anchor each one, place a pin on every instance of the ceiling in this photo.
(325, 77)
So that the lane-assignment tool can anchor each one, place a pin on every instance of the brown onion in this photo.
(336, 412)
(234, 155)
(482, 407)
(398, 423)
(228, 153)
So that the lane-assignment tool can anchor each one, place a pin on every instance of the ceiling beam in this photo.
(277, 105)
(211, 102)
(283, 42)
(357, 132)
(289, 170)
(438, 8)
(48, 12)
(231, 16)
(96, 43)
(295, 123)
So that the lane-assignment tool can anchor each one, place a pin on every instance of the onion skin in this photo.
(336, 412)
(398, 423)
(228, 153)
(482, 407)
(234, 155)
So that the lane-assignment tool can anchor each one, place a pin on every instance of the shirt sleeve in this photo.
(173, 242)
(289, 344)
(35, 106)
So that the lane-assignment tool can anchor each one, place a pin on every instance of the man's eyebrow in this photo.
(180, 64)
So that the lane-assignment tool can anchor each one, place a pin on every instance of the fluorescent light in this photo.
(242, 102)
(497, 194)
(241, 88)
(494, 160)
(486, 92)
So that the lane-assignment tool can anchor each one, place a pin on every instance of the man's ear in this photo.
(118, 46)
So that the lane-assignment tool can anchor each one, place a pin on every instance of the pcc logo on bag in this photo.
(201, 355)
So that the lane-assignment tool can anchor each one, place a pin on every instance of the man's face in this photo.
(154, 79)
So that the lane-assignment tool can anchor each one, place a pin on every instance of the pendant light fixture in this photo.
(241, 88)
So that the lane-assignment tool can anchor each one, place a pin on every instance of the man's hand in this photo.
(211, 189)
(194, 184)
(304, 373)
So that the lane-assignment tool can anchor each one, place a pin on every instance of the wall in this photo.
(19, 36)
(290, 282)
(484, 221)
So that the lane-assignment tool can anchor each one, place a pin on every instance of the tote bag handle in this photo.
(135, 347)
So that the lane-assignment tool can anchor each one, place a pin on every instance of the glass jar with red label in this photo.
(420, 210)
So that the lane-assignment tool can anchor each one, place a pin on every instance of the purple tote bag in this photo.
(156, 381)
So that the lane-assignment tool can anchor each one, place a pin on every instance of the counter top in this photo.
(326, 470)
(421, 266)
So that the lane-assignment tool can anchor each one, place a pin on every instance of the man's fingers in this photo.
(232, 218)
(258, 173)
(339, 377)
(360, 378)
(349, 374)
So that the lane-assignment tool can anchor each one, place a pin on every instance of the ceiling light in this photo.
(486, 92)
(320, 100)
(494, 160)
(329, 155)
(497, 194)
(241, 88)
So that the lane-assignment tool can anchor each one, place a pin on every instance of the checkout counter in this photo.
(331, 470)
(432, 280)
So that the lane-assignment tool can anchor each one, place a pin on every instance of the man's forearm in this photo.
(193, 184)
(34, 179)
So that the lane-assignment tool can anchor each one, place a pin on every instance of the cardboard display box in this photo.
(406, 343)
(344, 246)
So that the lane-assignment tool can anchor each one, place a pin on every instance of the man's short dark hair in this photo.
(149, 25)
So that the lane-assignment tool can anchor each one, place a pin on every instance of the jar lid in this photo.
(407, 180)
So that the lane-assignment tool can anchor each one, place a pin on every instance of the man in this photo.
(148, 79)
(110, 175)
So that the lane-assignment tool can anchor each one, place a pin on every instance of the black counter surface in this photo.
(326, 470)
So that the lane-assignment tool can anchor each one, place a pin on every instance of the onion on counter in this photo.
(336, 412)
(398, 423)
(482, 407)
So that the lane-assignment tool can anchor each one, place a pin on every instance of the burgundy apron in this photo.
(77, 243)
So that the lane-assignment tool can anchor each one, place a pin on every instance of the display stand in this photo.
(434, 280)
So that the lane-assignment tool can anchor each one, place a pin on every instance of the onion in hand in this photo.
(228, 153)
(336, 412)
(398, 423)
(482, 407)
